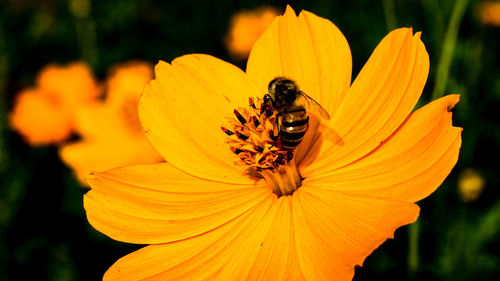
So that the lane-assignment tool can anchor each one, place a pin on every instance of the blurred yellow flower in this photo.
(489, 12)
(111, 135)
(207, 218)
(245, 28)
(44, 114)
(470, 184)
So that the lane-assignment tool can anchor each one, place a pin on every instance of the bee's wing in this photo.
(313, 105)
(328, 133)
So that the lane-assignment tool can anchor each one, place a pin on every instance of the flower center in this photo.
(254, 137)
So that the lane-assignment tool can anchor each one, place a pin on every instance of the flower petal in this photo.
(96, 121)
(249, 249)
(277, 256)
(70, 84)
(227, 249)
(309, 49)
(182, 111)
(245, 28)
(381, 97)
(408, 166)
(87, 156)
(38, 119)
(336, 231)
(126, 81)
(108, 140)
(150, 204)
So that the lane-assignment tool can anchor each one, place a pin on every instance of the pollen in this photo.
(253, 136)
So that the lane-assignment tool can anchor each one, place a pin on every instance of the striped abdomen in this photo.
(294, 122)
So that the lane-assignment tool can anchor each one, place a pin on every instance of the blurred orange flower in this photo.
(111, 135)
(209, 219)
(44, 115)
(489, 13)
(246, 27)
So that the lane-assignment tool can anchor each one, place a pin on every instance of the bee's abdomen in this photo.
(293, 127)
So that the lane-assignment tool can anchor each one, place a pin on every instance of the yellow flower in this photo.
(44, 115)
(208, 218)
(470, 184)
(489, 12)
(245, 28)
(111, 135)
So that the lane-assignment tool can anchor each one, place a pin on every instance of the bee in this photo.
(290, 102)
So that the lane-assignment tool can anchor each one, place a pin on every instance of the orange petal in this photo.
(82, 158)
(227, 249)
(335, 231)
(277, 258)
(182, 111)
(95, 121)
(246, 27)
(110, 138)
(117, 151)
(309, 49)
(127, 81)
(410, 165)
(38, 119)
(70, 84)
(381, 97)
(157, 203)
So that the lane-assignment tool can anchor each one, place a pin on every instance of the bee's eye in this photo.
(271, 88)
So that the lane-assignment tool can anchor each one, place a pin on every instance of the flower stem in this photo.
(390, 14)
(3, 95)
(85, 30)
(448, 48)
(413, 258)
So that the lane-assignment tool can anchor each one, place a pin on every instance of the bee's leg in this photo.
(267, 106)
(276, 128)
(265, 103)
(279, 118)
(267, 98)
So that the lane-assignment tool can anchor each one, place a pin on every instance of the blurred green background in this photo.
(44, 234)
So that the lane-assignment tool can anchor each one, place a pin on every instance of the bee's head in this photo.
(283, 92)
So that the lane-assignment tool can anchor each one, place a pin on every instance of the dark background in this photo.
(44, 234)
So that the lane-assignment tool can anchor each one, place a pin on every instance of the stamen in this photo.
(273, 137)
(241, 136)
(285, 180)
(252, 137)
(240, 118)
(228, 132)
(266, 108)
(236, 151)
(268, 111)
(251, 103)
(258, 148)
(255, 121)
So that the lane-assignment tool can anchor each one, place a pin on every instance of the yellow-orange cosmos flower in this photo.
(489, 12)
(246, 27)
(207, 218)
(44, 114)
(111, 135)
